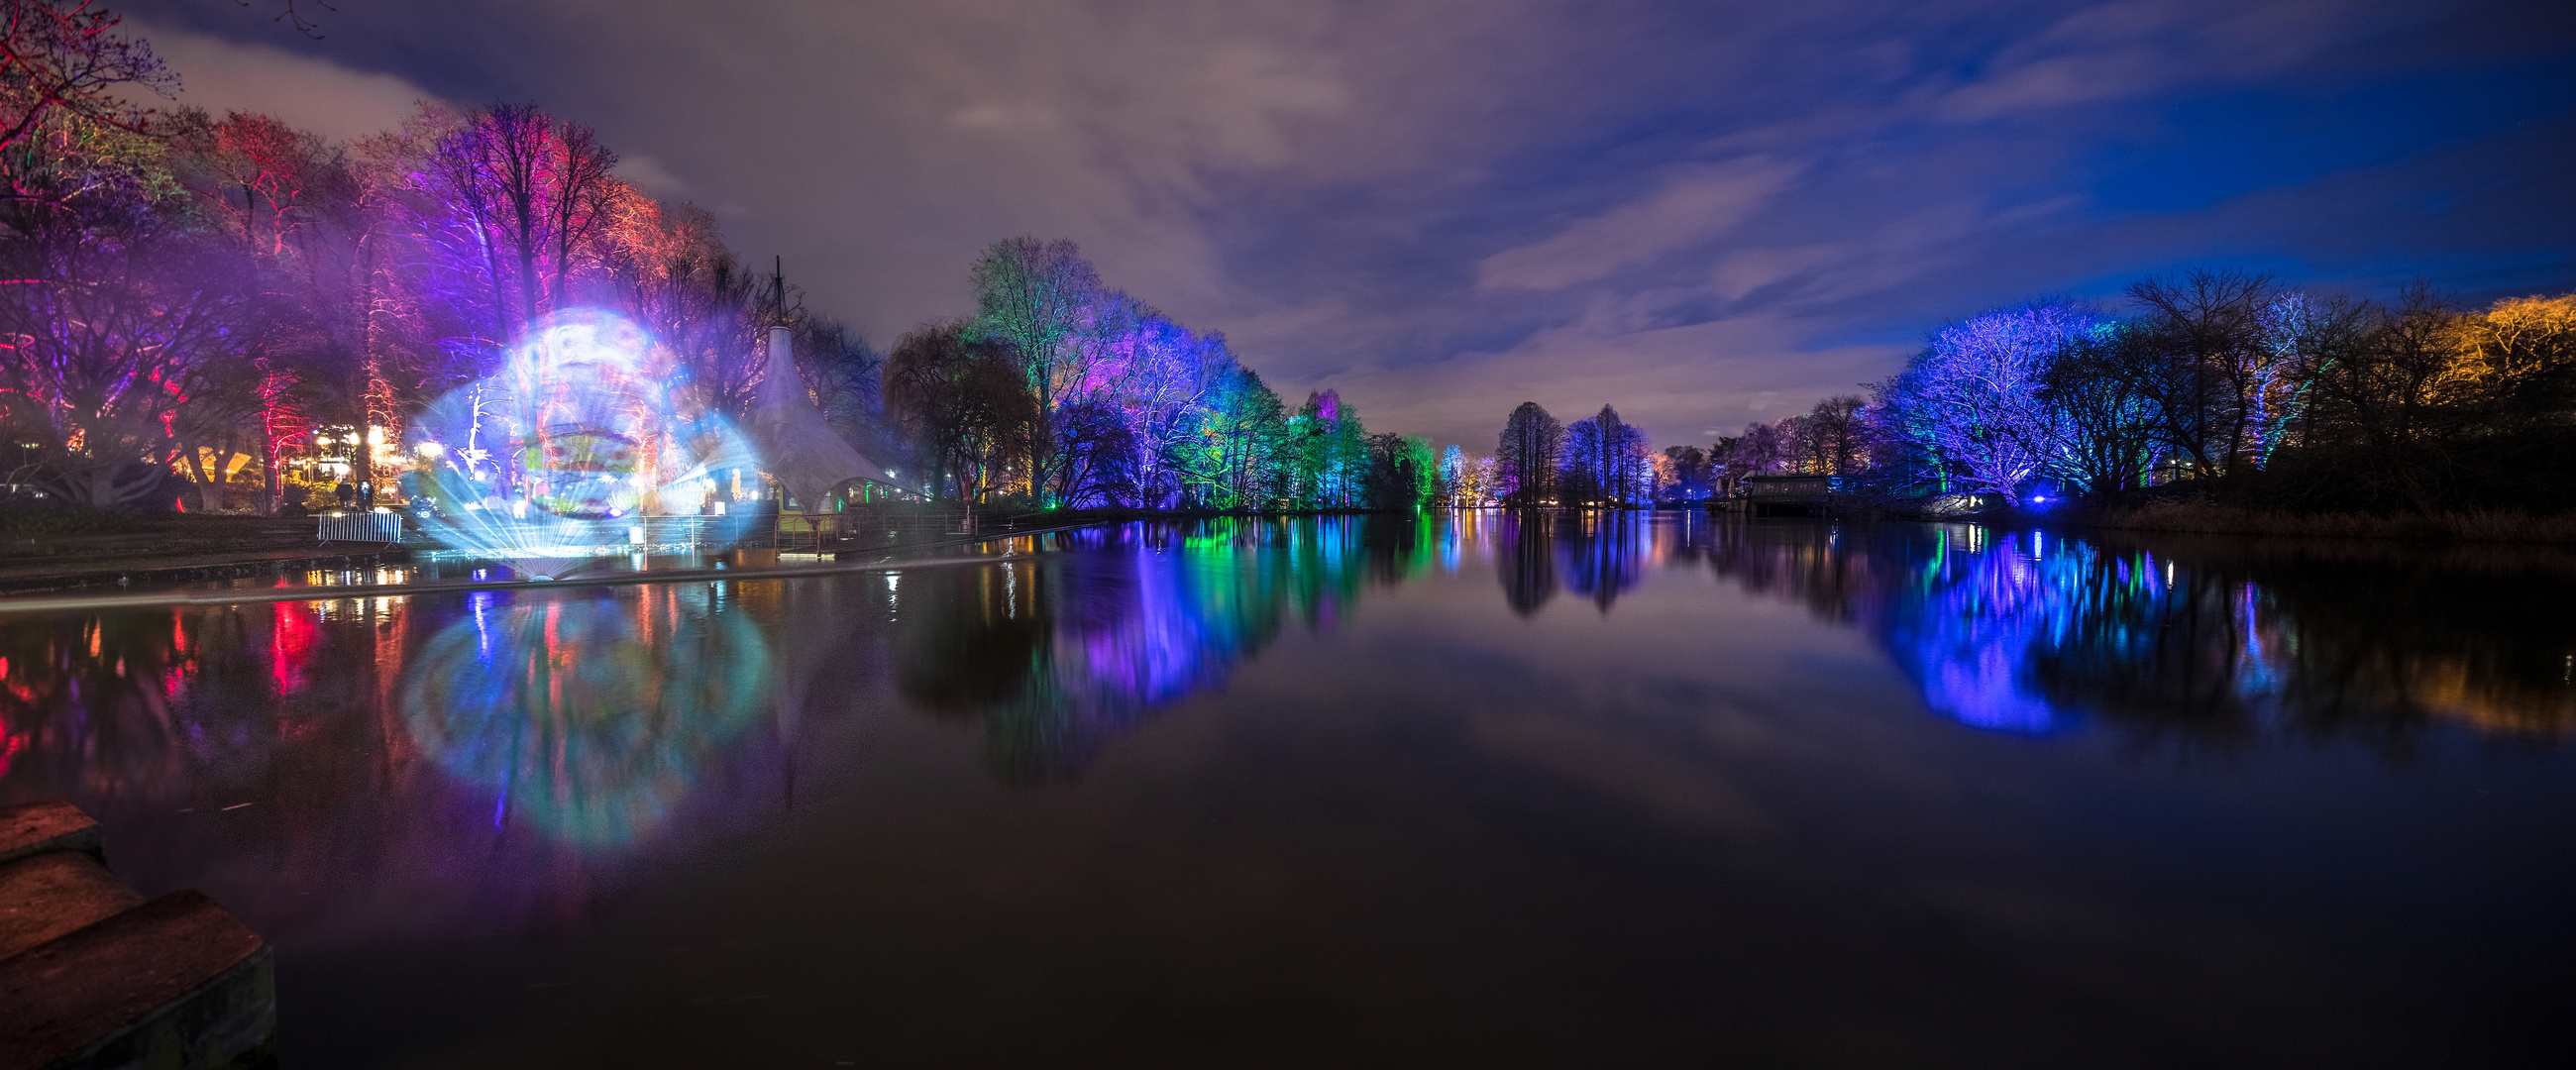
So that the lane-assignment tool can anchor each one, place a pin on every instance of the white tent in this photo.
(797, 447)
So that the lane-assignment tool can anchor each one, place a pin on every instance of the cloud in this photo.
(1742, 273)
(1692, 204)
(315, 94)
(1703, 214)
(649, 175)
(2133, 47)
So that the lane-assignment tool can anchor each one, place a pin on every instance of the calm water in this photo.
(1637, 792)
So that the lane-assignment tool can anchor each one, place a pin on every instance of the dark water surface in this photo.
(1625, 792)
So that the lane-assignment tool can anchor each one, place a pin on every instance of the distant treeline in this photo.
(2213, 386)
(2228, 384)
(1061, 392)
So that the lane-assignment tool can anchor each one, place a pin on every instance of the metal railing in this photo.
(336, 526)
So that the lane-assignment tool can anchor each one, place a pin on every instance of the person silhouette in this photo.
(346, 494)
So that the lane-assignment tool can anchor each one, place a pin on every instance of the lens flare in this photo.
(584, 436)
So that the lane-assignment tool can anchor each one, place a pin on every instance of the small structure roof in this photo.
(798, 447)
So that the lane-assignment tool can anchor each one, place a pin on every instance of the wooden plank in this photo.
(48, 895)
(34, 828)
(174, 982)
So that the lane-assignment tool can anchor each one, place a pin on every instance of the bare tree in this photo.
(964, 403)
(2108, 438)
(1761, 450)
(534, 194)
(66, 76)
(2384, 398)
(124, 317)
(1033, 296)
(1525, 456)
(1837, 432)
(2202, 361)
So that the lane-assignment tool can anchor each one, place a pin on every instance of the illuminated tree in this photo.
(1973, 397)
(1579, 480)
(1603, 460)
(1761, 450)
(525, 199)
(68, 117)
(2107, 432)
(2218, 356)
(121, 315)
(1239, 460)
(1033, 296)
(2517, 359)
(1164, 391)
(317, 221)
(964, 403)
(1525, 457)
(1325, 458)
(376, 276)
(1402, 473)
(1833, 437)
(2418, 405)
(1685, 474)
(1455, 476)
(675, 278)
(1090, 435)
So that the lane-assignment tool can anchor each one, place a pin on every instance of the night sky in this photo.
(1703, 213)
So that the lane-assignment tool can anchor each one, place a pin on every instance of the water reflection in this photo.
(1056, 660)
(1624, 766)
(1601, 555)
(140, 705)
(592, 720)
(503, 740)
(2014, 632)
(1529, 561)
(526, 753)
(588, 718)
(2194, 642)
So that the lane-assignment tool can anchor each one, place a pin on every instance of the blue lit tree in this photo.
(1974, 397)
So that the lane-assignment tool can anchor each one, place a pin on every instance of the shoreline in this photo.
(2462, 526)
(174, 569)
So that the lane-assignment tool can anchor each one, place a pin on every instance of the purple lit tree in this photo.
(123, 316)
(1973, 398)
(519, 203)
(1604, 461)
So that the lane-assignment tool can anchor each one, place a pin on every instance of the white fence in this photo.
(360, 527)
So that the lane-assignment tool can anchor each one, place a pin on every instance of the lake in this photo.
(1622, 790)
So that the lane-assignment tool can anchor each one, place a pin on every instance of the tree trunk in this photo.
(210, 494)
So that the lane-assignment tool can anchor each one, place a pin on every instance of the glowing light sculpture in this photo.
(557, 459)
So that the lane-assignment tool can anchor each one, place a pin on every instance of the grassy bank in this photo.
(2475, 525)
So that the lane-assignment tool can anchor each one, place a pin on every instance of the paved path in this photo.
(63, 596)
(193, 550)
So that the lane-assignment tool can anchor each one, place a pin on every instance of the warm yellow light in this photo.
(429, 449)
